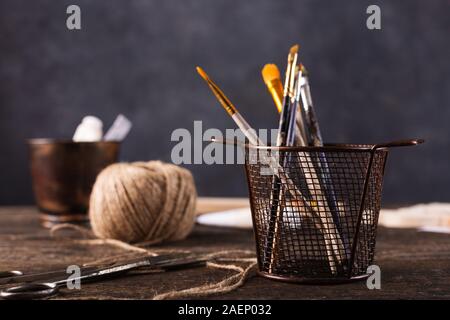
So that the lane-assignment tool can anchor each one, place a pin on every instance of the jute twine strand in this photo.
(228, 284)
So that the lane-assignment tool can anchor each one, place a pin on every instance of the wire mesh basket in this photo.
(315, 209)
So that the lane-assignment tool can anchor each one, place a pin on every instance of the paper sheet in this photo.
(431, 217)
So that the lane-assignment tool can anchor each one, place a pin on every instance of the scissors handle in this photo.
(12, 273)
(30, 291)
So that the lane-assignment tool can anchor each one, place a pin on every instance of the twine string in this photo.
(231, 260)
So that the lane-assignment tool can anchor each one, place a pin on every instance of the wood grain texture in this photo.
(414, 265)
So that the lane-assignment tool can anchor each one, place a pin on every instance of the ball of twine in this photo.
(143, 202)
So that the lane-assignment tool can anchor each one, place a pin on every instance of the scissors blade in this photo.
(38, 276)
(170, 261)
(156, 261)
(11, 273)
(165, 262)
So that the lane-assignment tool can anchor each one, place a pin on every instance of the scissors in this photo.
(16, 276)
(34, 290)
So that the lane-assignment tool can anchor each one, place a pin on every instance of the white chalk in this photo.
(119, 129)
(89, 130)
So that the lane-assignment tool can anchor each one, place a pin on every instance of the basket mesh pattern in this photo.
(315, 218)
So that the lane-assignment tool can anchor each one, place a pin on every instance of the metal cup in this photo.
(63, 173)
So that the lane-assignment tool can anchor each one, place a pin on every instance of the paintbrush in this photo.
(271, 76)
(252, 137)
(313, 134)
(314, 138)
(284, 138)
(248, 131)
(272, 79)
(297, 132)
(231, 110)
(332, 237)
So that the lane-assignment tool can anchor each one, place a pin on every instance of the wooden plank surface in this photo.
(413, 265)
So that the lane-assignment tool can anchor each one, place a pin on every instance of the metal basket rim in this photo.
(345, 147)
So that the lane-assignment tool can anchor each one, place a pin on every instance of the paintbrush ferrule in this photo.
(306, 94)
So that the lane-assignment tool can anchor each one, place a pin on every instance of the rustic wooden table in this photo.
(413, 265)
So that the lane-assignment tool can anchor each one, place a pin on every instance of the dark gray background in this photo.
(138, 58)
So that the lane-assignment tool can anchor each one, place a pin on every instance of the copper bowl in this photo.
(63, 173)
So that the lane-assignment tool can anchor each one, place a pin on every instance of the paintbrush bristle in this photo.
(202, 73)
(293, 54)
(294, 49)
(270, 72)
